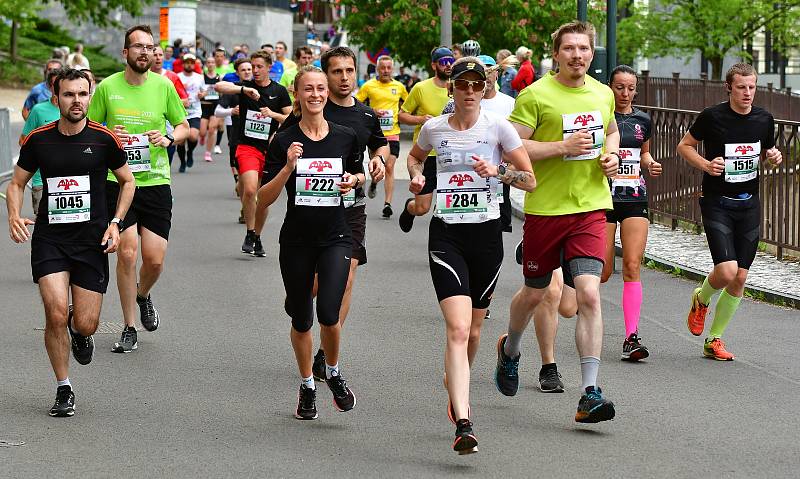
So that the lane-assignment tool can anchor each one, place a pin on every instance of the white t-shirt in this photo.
(456, 152)
(193, 83)
(501, 104)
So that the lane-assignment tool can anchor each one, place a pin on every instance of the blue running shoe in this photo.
(506, 376)
(593, 407)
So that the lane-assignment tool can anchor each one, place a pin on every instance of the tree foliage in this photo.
(99, 11)
(411, 28)
(714, 28)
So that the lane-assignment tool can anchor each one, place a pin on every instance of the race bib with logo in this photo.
(68, 199)
(386, 119)
(316, 182)
(592, 121)
(741, 161)
(211, 93)
(256, 125)
(137, 149)
(462, 197)
(349, 198)
(630, 169)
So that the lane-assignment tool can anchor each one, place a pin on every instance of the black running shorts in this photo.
(429, 171)
(394, 148)
(87, 265)
(151, 208)
(357, 220)
(626, 209)
(732, 228)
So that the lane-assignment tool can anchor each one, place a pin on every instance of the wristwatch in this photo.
(383, 160)
(501, 170)
(170, 138)
(115, 221)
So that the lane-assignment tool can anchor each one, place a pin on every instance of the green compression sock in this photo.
(707, 292)
(723, 313)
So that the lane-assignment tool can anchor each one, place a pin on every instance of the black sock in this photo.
(547, 367)
(192, 144)
(182, 154)
(219, 137)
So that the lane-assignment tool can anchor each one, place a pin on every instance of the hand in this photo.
(235, 110)
(610, 164)
(294, 152)
(579, 143)
(121, 133)
(252, 93)
(654, 168)
(416, 185)
(425, 119)
(201, 94)
(111, 237)
(774, 156)
(485, 169)
(348, 183)
(156, 138)
(376, 169)
(716, 166)
(266, 112)
(18, 229)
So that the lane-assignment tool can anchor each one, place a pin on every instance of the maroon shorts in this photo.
(579, 235)
(250, 158)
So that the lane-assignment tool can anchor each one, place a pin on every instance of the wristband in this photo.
(241, 90)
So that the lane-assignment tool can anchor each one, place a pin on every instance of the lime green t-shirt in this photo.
(287, 79)
(139, 108)
(41, 114)
(553, 110)
(425, 98)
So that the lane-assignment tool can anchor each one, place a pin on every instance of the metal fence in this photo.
(674, 195)
(696, 94)
(6, 159)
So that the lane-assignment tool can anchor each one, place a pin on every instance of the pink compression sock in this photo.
(631, 305)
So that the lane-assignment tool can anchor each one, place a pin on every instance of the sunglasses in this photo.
(446, 61)
(463, 85)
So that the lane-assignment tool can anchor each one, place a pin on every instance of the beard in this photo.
(135, 67)
(74, 117)
(442, 74)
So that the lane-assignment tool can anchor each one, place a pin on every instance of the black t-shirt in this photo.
(74, 169)
(232, 101)
(361, 118)
(314, 225)
(254, 128)
(634, 130)
(210, 91)
(719, 127)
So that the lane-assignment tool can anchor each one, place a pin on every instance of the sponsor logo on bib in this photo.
(65, 184)
(460, 179)
(584, 119)
(320, 166)
(743, 149)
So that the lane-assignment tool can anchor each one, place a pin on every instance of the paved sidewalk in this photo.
(689, 252)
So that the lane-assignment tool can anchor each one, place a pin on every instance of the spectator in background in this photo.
(280, 56)
(269, 48)
(525, 76)
(508, 74)
(403, 77)
(303, 56)
(176, 48)
(59, 54)
(40, 92)
(245, 49)
(457, 51)
(77, 59)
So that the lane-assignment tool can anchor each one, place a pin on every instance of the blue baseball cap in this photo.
(487, 60)
(441, 52)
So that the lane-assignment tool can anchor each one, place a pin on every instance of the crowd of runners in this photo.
(576, 147)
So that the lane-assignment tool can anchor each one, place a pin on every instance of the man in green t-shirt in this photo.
(566, 121)
(136, 104)
(304, 56)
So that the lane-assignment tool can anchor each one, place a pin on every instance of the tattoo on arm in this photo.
(513, 176)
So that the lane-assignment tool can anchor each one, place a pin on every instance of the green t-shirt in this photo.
(40, 115)
(553, 110)
(287, 79)
(139, 108)
(425, 98)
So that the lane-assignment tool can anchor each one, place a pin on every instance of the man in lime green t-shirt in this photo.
(566, 121)
(136, 104)
(304, 56)
(426, 100)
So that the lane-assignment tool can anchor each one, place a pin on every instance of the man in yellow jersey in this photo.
(385, 95)
(426, 100)
(566, 120)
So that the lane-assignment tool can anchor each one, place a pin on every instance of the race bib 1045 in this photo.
(741, 161)
(137, 150)
(590, 120)
(317, 181)
(68, 199)
(630, 168)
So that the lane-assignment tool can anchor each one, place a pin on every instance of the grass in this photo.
(18, 75)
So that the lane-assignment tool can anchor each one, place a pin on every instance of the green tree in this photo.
(20, 13)
(411, 28)
(715, 28)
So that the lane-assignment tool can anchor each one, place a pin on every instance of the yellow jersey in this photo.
(425, 98)
(385, 99)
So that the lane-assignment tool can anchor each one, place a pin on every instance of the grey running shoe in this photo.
(148, 313)
(506, 373)
(65, 403)
(127, 342)
(82, 346)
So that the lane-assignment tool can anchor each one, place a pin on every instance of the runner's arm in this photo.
(277, 170)
(519, 174)
(539, 150)
(222, 112)
(687, 149)
(181, 132)
(415, 162)
(228, 88)
(17, 226)
(647, 160)
(409, 119)
(127, 186)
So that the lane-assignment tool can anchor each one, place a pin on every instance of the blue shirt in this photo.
(39, 93)
(505, 82)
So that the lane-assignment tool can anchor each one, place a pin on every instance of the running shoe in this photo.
(82, 346)
(127, 342)
(488, 315)
(343, 397)
(632, 349)
(65, 403)
(207, 157)
(406, 220)
(593, 407)
(148, 313)
(306, 403)
(217, 150)
(182, 168)
(451, 413)
(249, 245)
(518, 253)
(697, 315)
(506, 374)
(714, 348)
(550, 380)
(465, 442)
(190, 162)
(318, 368)
(387, 210)
(372, 189)
(258, 248)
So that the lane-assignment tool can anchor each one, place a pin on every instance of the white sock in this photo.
(590, 366)
(309, 382)
(65, 382)
(331, 371)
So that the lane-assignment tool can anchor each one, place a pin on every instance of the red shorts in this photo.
(579, 235)
(250, 158)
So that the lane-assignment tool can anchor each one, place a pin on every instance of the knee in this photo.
(589, 300)
(726, 272)
(153, 263)
(459, 334)
(56, 319)
(85, 326)
(630, 269)
(126, 255)
(248, 190)
(301, 324)
(474, 335)
(528, 298)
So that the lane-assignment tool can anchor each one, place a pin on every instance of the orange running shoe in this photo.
(714, 348)
(697, 315)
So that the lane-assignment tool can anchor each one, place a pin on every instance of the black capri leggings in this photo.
(298, 265)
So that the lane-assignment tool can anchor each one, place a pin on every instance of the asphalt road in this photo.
(211, 393)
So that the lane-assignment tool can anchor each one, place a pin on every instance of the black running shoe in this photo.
(190, 162)
(593, 407)
(148, 313)
(506, 374)
(258, 248)
(550, 380)
(343, 397)
(632, 349)
(406, 220)
(488, 315)
(82, 346)
(306, 403)
(518, 253)
(127, 342)
(465, 442)
(372, 189)
(249, 245)
(318, 368)
(65, 403)
(387, 210)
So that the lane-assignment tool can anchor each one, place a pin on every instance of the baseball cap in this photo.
(487, 60)
(189, 56)
(464, 67)
(441, 52)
